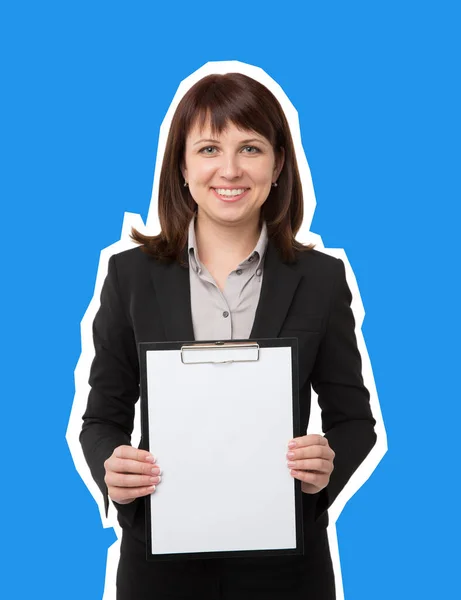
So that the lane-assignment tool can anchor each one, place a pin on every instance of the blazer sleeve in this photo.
(114, 381)
(347, 420)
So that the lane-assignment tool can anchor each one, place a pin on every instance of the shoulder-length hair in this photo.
(249, 105)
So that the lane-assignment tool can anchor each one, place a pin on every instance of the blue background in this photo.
(85, 87)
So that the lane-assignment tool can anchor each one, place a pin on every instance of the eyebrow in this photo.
(258, 140)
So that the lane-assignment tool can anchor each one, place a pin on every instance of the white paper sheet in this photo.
(220, 434)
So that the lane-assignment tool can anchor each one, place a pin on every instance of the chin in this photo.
(237, 218)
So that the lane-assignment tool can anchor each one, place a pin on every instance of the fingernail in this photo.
(156, 471)
(153, 480)
(291, 444)
(159, 479)
(291, 464)
(291, 455)
(150, 458)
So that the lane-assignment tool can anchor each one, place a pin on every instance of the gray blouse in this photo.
(228, 314)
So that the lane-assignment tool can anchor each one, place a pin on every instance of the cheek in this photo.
(262, 174)
(201, 173)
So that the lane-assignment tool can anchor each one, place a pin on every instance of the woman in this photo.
(226, 266)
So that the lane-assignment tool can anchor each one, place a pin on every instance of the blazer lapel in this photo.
(172, 287)
(280, 281)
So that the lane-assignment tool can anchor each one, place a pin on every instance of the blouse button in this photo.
(239, 271)
(225, 314)
(258, 272)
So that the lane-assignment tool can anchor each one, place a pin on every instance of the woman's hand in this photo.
(130, 474)
(310, 459)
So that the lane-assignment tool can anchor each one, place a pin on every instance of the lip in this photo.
(230, 198)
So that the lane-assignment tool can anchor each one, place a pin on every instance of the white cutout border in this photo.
(152, 227)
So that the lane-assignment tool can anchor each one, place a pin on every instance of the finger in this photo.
(317, 479)
(133, 454)
(313, 439)
(311, 452)
(308, 488)
(126, 465)
(312, 464)
(123, 480)
(121, 495)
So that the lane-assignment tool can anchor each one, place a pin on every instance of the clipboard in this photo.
(218, 415)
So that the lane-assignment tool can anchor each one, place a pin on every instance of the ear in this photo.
(279, 162)
(184, 171)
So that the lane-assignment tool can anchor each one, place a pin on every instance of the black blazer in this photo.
(143, 300)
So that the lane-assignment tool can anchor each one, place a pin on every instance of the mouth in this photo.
(230, 194)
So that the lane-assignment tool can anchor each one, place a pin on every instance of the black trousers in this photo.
(307, 577)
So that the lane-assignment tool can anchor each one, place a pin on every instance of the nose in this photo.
(230, 167)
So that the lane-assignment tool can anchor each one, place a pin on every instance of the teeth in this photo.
(226, 192)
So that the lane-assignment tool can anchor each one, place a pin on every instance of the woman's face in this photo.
(229, 175)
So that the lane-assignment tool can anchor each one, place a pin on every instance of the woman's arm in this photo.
(347, 420)
(114, 381)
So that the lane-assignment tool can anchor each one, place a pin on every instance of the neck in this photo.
(225, 244)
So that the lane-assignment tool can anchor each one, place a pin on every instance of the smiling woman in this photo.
(226, 265)
(228, 134)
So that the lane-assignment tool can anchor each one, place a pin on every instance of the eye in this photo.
(208, 150)
(251, 149)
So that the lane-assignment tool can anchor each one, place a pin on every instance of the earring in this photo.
(185, 183)
(275, 184)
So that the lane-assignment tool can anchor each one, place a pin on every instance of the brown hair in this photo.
(247, 104)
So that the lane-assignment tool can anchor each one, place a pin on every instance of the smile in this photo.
(230, 194)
